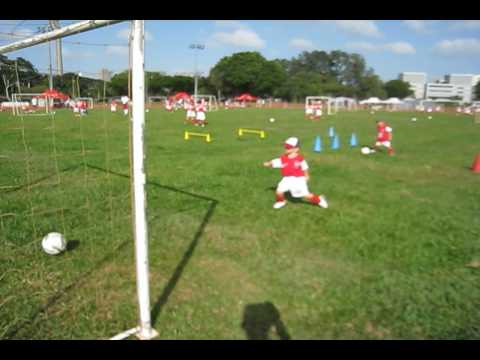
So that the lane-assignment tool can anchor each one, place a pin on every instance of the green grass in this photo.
(387, 260)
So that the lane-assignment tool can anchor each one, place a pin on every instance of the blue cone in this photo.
(318, 144)
(335, 143)
(353, 140)
(331, 132)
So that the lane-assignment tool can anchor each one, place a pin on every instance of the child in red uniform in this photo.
(384, 137)
(295, 176)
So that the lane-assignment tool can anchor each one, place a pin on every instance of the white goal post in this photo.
(312, 100)
(89, 101)
(30, 105)
(210, 101)
(144, 329)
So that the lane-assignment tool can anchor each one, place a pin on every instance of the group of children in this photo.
(294, 169)
(195, 113)
(125, 102)
(78, 107)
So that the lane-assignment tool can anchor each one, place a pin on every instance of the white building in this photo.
(417, 81)
(439, 90)
(465, 84)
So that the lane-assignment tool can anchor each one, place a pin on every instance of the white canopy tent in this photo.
(371, 101)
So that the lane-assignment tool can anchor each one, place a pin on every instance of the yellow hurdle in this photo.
(207, 136)
(251, 131)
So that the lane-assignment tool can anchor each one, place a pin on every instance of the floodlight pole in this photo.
(50, 76)
(196, 47)
(145, 330)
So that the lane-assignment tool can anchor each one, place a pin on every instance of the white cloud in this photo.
(458, 47)
(239, 37)
(419, 26)
(235, 24)
(399, 47)
(301, 44)
(465, 25)
(359, 27)
(125, 32)
(116, 50)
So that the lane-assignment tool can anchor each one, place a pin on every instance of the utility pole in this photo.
(196, 47)
(50, 81)
(54, 25)
(18, 79)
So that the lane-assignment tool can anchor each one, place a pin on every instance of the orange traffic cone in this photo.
(476, 164)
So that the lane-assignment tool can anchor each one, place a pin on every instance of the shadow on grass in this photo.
(163, 299)
(78, 282)
(71, 245)
(259, 319)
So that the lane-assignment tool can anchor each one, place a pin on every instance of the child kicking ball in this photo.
(384, 137)
(294, 170)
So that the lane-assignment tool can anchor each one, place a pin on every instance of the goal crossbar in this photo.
(310, 99)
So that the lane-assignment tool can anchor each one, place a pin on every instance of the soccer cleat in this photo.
(323, 202)
(279, 204)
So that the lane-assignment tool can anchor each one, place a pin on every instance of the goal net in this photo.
(210, 101)
(88, 100)
(328, 104)
(31, 105)
(84, 179)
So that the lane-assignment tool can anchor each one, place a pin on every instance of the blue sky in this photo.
(437, 47)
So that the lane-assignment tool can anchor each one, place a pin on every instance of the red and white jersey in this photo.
(291, 166)
(78, 104)
(384, 133)
(201, 107)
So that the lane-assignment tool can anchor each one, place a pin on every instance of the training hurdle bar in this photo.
(251, 131)
(207, 136)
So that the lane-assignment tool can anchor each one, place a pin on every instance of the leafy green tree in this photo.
(398, 88)
(477, 90)
(247, 72)
(371, 85)
(119, 84)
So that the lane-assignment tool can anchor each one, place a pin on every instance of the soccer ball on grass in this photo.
(54, 243)
(365, 150)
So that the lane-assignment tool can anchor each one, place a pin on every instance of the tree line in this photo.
(335, 73)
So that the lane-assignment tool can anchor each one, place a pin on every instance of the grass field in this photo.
(394, 257)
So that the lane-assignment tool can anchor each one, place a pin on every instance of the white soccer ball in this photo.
(54, 243)
(147, 110)
(429, 118)
(272, 120)
(365, 150)
(414, 119)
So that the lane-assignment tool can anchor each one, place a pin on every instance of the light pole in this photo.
(196, 47)
(78, 84)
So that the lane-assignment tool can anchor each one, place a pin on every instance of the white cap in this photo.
(291, 142)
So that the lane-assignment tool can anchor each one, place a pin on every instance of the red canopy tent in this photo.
(246, 97)
(54, 94)
(181, 95)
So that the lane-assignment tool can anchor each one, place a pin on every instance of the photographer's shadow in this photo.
(260, 319)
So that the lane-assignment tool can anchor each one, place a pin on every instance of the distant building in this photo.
(417, 81)
(443, 91)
